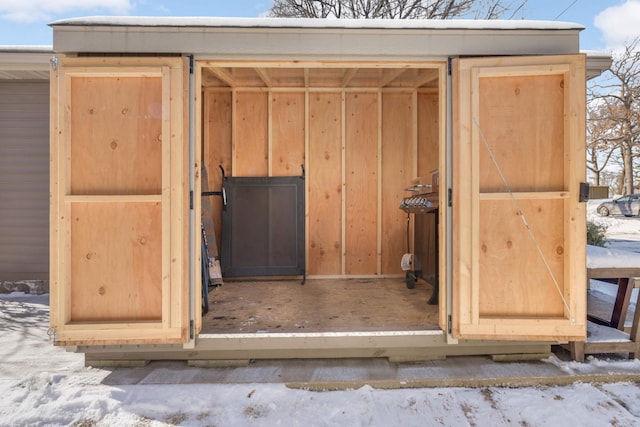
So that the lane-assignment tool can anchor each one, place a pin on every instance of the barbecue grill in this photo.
(423, 262)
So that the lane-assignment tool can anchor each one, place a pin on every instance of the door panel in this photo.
(118, 240)
(518, 228)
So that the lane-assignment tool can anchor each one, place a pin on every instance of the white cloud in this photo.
(619, 24)
(37, 10)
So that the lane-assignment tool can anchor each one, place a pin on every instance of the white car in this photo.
(628, 205)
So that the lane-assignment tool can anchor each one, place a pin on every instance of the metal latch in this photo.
(584, 192)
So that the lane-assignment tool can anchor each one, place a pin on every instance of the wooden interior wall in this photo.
(287, 134)
(428, 132)
(359, 147)
(217, 147)
(250, 147)
(361, 183)
(399, 153)
(428, 160)
(324, 200)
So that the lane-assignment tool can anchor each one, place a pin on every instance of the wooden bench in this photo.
(620, 267)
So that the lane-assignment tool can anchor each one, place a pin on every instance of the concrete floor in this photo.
(333, 374)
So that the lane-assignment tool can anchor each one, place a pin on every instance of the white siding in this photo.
(24, 180)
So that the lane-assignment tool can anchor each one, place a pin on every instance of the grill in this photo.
(419, 204)
(423, 263)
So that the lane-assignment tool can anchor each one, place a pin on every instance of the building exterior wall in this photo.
(24, 180)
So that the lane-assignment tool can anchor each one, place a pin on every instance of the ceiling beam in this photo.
(348, 75)
(264, 76)
(390, 75)
(223, 75)
(425, 76)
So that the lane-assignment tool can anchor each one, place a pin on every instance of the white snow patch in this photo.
(42, 385)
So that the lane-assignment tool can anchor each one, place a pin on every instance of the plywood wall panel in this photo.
(361, 179)
(523, 115)
(117, 127)
(324, 247)
(250, 144)
(428, 133)
(287, 133)
(398, 142)
(512, 286)
(217, 148)
(354, 224)
(116, 268)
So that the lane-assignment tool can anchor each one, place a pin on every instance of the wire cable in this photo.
(567, 8)
(518, 9)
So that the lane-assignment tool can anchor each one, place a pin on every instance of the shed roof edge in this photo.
(309, 23)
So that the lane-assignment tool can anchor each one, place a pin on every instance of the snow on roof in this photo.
(26, 48)
(418, 24)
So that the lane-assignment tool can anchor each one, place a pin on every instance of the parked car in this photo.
(628, 205)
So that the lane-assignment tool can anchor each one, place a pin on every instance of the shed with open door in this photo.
(312, 133)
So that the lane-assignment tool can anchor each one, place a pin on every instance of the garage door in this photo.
(24, 180)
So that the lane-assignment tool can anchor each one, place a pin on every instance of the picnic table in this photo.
(621, 268)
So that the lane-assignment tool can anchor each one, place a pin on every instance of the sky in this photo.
(608, 23)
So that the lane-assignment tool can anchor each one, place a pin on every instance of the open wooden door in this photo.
(518, 227)
(119, 206)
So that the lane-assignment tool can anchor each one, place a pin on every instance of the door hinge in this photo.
(54, 63)
(53, 335)
(191, 199)
(192, 331)
(191, 64)
(450, 66)
(449, 324)
(450, 197)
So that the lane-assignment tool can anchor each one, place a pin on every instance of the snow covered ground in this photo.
(622, 232)
(42, 385)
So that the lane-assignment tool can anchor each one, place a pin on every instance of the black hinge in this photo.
(191, 200)
(449, 324)
(450, 197)
(449, 66)
(190, 64)
(192, 331)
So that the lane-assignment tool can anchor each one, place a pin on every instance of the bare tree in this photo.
(600, 150)
(394, 9)
(617, 95)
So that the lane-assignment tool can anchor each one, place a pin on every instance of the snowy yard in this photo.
(42, 385)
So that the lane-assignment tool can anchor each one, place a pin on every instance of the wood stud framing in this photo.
(354, 186)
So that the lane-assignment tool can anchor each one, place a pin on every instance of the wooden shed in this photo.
(312, 131)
